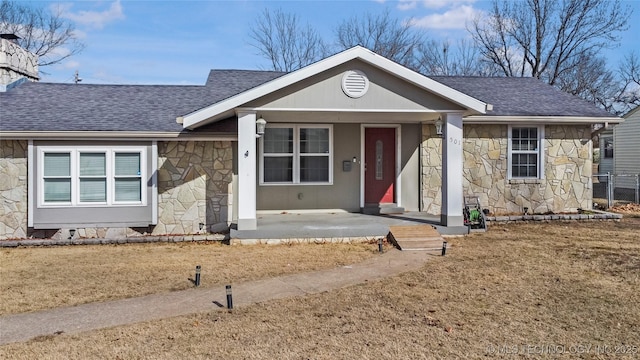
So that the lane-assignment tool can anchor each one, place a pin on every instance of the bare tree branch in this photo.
(388, 37)
(545, 38)
(41, 32)
(463, 59)
(288, 45)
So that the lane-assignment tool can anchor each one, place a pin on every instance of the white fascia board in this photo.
(424, 82)
(480, 119)
(226, 107)
(113, 135)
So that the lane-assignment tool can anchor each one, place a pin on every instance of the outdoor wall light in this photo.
(71, 233)
(438, 125)
(260, 125)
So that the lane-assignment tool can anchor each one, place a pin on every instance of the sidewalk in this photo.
(77, 319)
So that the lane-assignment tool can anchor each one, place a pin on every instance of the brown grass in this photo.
(531, 289)
(42, 278)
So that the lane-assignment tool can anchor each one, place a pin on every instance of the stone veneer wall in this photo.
(13, 189)
(193, 182)
(568, 169)
(193, 179)
(431, 163)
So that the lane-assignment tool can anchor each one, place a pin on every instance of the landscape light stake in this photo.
(197, 282)
(229, 298)
(444, 248)
(380, 245)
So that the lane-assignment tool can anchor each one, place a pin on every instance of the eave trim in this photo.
(223, 108)
(484, 119)
(115, 135)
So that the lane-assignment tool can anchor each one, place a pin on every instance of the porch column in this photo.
(247, 170)
(452, 163)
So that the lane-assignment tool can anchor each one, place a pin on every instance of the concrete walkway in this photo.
(77, 319)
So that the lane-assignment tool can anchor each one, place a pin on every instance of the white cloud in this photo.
(407, 4)
(438, 4)
(94, 19)
(71, 64)
(404, 5)
(455, 18)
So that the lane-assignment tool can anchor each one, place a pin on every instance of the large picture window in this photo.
(525, 152)
(296, 154)
(91, 176)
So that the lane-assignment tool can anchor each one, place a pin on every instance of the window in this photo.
(525, 159)
(608, 148)
(296, 154)
(91, 176)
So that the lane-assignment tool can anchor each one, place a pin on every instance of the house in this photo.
(353, 132)
(626, 143)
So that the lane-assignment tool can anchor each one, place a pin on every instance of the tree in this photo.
(285, 42)
(547, 39)
(41, 31)
(629, 72)
(394, 39)
(441, 58)
(592, 81)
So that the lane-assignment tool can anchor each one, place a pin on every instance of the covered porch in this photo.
(342, 135)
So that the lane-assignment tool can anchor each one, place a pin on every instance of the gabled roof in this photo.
(631, 112)
(137, 108)
(515, 96)
(224, 109)
(47, 107)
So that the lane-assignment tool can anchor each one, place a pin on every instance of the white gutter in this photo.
(115, 135)
(485, 119)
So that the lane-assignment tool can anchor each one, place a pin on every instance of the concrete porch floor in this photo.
(337, 225)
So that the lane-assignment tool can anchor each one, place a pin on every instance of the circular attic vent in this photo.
(355, 83)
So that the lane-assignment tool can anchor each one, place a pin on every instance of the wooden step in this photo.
(417, 237)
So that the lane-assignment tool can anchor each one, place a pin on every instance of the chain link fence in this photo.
(609, 189)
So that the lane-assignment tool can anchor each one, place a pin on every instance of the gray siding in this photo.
(343, 194)
(90, 216)
(627, 150)
(324, 91)
(410, 166)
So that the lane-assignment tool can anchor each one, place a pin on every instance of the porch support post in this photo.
(452, 163)
(247, 171)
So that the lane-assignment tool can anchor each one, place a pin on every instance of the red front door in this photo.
(380, 161)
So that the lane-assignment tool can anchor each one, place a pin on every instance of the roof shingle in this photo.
(82, 107)
(514, 96)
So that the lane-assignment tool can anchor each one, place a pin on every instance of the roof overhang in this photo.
(115, 135)
(226, 108)
(487, 119)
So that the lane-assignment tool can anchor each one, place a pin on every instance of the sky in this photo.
(178, 42)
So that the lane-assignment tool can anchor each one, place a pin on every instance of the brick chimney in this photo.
(16, 63)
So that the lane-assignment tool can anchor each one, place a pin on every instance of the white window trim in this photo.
(75, 175)
(540, 152)
(296, 154)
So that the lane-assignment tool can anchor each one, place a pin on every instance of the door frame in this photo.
(397, 182)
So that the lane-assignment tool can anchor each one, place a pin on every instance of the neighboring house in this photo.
(606, 153)
(626, 144)
(351, 132)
